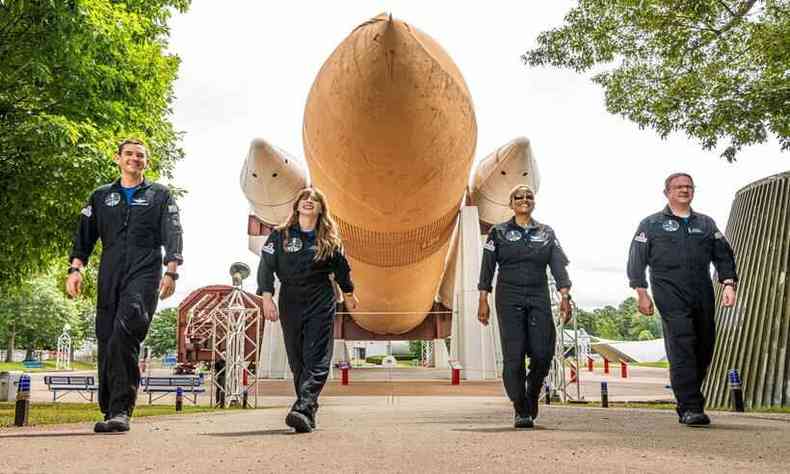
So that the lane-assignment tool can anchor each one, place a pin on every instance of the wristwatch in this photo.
(566, 296)
(172, 275)
(730, 283)
(74, 269)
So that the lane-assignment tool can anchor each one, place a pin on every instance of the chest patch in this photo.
(513, 235)
(294, 244)
(694, 230)
(670, 225)
(140, 202)
(538, 237)
(112, 199)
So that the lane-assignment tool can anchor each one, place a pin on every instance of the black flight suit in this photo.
(523, 306)
(307, 307)
(132, 234)
(679, 255)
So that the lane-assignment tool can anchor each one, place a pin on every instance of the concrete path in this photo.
(408, 434)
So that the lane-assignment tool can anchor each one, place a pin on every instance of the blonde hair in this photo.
(327, 238)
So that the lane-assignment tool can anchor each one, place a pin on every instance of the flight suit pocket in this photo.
(666, 252)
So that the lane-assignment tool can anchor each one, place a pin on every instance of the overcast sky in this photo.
(247, 67)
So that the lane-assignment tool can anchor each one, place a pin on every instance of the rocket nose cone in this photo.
(521, 142)
(260, 149)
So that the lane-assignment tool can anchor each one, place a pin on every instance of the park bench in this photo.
(32, 364)
(192, 386)
(84, 385)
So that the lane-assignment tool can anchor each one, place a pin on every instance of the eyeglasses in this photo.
(523, 197)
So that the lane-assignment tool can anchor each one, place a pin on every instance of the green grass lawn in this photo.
(47, 366)
(59, 413)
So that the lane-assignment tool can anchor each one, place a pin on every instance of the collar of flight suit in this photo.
(116, 185)
(532, 226)
(668, 212)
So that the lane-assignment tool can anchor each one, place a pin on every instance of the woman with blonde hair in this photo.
(522, 248)
(303, 252)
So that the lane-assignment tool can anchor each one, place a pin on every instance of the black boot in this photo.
(533, 402)
(298, 421)
(118, 423)
(695, 418)
(101, 426)
(523, 421)
(313, 415)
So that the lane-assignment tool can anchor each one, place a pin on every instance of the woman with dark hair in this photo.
(304, 252)
(523, 248)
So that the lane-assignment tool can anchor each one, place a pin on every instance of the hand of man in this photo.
(483, 312)
(645, 304)
(74, 284)
(351, 301)
(166, 287)
(566, 311)
(269, 309)
(728, 297)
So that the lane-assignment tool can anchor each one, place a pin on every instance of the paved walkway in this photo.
(408, 434)
(643, 384)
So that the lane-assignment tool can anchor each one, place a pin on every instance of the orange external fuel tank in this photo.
(389, 137)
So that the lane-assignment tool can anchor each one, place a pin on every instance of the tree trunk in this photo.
(9, 351)
(29, 353)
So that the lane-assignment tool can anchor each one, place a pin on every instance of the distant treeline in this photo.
(623, 323)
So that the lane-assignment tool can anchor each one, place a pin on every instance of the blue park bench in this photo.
(83, 385)
(192, 386)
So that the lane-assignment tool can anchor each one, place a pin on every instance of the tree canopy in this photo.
(32, 317)
(76, 77)
(623, 323)
(162, 334)
(715, 69)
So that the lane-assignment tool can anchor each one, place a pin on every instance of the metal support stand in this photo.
(567, 355)
(64, 349)
(426, 354)
(234, 349)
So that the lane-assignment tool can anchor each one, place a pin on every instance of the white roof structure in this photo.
(631, 351)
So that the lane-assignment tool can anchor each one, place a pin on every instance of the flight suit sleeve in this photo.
(343, 272)
(558, 263)
(637, 257)
(170, 227)
(723, 257)
(87, 232)
(488, 265)
(268, 263)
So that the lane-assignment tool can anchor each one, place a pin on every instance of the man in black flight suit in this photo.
(133, 218)
(679, 244)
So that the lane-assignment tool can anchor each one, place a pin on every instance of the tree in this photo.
(623, 323)
(716, 69)
(162, 334)
(76, 77)
(33, 316)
